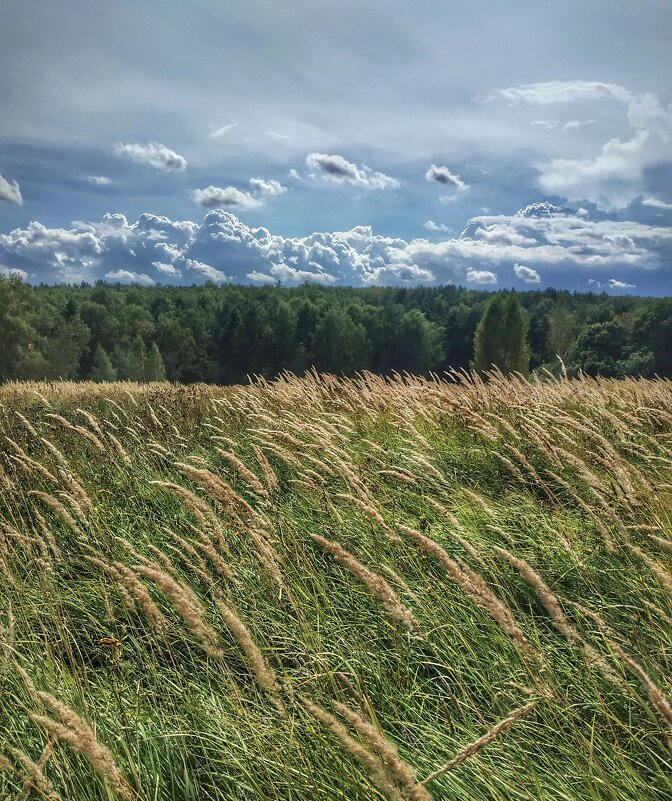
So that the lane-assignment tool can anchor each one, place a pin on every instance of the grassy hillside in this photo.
(324, 589)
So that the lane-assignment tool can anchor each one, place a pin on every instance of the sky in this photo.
(486, 144)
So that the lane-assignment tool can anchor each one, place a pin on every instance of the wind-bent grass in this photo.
(318, 589)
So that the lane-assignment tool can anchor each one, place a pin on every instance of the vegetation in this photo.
(501, 337)
(321, 588)
(222, 334)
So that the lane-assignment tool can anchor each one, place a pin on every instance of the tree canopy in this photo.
(222, 334)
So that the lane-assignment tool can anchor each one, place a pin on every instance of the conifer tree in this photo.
(155, 369)
(489, 333)
(501, 337)
(516, 348)
(136, 361)
(101, 366)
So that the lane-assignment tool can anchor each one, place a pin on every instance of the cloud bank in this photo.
(223, 248)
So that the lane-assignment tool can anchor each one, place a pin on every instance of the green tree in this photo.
(417, 343)
(19, 357)
(155, 369)
(501, 337)
(135, 361)
(340, 345)
(101, 366)
(66, 345)
(600, 348)
(561, 329)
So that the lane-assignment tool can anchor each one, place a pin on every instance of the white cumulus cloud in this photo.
(481, 276)
(612, 283)
(435, 227)
(153, 154)
(13, 272)
(9, 191)
(338, 170)
(225, 197)
(127, 276)
(222, 247)
(269, 188)
(205, 271)
(613, 177)
(166, 269)
(526, 274)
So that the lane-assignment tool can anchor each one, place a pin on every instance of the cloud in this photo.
(294, 174)
(611, 179)
(526, 274)
(565, 127)
(219, 132)
(126, 276)
(336, 169)
(292, 275)
(13, 272)
(612, 283)
(269, 188)
(276, 135)
(97, 180)
(205, 271)
(444, 176)
(563, 92)
(166, 269)
(616, 175)
(9, 191)
(221, 247)
(656, 204)
(225, 197)
(432, 226)
(481, 276)
(153, 154)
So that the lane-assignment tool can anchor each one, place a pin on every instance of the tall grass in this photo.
(330, 589)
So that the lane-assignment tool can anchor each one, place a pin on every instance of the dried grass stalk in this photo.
(475, 587)
(486, 739)
(371, 764)
(188, 606)
(35, 776)
(401, 771)
(75, 731)
(259, 667)
(376, 584)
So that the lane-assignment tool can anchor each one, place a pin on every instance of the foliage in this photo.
(101, 366)
(501, 337)
(222, 334)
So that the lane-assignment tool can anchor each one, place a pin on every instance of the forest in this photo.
(222, 334)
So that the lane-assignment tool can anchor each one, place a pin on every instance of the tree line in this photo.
(222, 334)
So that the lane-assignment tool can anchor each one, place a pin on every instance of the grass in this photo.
(327, 589)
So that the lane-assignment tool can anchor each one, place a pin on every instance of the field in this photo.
(327, 589)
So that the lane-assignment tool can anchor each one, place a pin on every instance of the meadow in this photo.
(319, 588)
